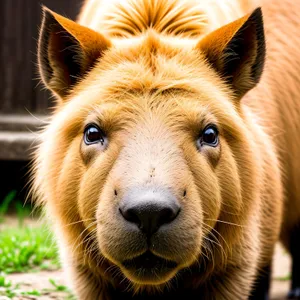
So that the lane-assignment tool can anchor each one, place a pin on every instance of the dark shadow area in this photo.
(14, 176)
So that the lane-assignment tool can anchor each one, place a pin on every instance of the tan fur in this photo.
(152, 91)
(185, 17)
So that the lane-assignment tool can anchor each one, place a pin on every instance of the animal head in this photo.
(148, 152)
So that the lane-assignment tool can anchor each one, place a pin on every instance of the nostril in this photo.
(167, 215)
(130, 215)
(184, 193)
(116, 193)
(176, 213)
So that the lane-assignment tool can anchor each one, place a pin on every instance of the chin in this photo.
(149, 269)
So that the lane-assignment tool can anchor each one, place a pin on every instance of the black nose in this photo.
(149, 209)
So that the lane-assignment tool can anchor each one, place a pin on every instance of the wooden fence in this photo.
(21, 95)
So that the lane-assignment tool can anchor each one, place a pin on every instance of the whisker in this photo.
(80, 236)
(80, 221)
(225, 222)
(220, 235)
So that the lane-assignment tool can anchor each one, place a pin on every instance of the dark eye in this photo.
(210, 136)
(93, 135)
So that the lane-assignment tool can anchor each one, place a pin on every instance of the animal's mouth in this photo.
(149, 268)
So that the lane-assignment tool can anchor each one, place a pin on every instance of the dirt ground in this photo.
(281, 270)
(40, 280)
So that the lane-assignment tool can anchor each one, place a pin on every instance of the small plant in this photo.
(6, 288)
(22, 212)
(4, 282)
(58, 287)
(10, 293)
(31, 293)
(6, 203)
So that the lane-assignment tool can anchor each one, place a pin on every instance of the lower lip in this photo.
(149, 264)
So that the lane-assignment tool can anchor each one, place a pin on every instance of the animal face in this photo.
(147, 149)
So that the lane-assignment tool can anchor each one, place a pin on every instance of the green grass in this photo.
(24, 249)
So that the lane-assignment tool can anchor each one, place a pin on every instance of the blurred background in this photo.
(29, 265)
(24, 103)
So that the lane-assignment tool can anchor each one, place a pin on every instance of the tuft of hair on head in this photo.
(132, 18)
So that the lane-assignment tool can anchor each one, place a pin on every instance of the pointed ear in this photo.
(237, 52)
(66, 51)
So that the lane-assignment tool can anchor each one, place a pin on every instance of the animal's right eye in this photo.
(210, 136)
(93, 135)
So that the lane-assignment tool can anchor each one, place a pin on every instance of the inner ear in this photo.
(237, 52)
(65, 59)
(67, 51)
(245, 53)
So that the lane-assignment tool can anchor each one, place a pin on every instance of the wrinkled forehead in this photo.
(173, 108)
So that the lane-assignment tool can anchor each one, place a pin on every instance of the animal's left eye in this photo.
(93, 135)
(210, 136)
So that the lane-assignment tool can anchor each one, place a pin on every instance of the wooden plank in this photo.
(17, 145)
(22, 123)
(18, 135)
